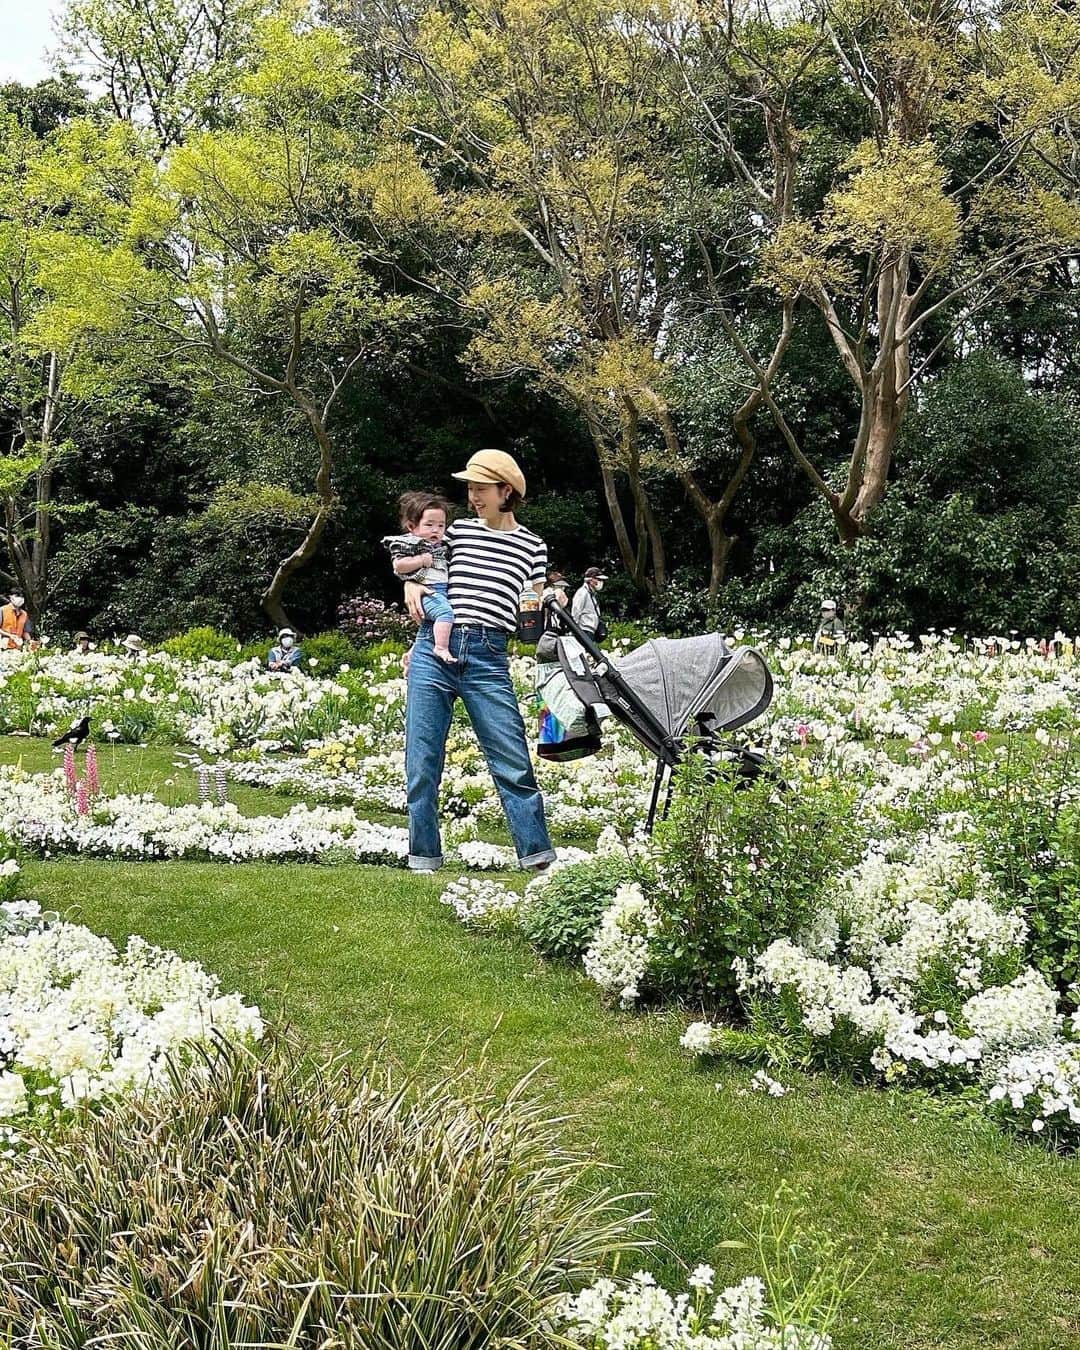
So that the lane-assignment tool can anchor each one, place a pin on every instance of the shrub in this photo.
(329, 651)
(302, 1207)
(365, 621)
(198, 643)
(1028, 832)
(626, 630)
(740, 864)
(563, 918)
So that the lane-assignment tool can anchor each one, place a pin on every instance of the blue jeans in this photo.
(481, 679)
(437, 605)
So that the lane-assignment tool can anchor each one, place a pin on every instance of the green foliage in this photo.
(980, 532)
(201, 642)
(562, 919)
(737, 865)
(327, 1159)
(1029, 838)
(331, 651)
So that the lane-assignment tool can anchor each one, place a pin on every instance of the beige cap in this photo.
(134, 643)
(493, 466)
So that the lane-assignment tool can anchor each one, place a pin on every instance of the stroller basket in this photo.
(672, 694)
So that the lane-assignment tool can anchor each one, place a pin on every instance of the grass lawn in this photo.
(141, 768)
(974, 1239)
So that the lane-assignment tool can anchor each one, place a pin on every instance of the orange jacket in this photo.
(14, 624)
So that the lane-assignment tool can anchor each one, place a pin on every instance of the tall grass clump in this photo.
(265, 1203)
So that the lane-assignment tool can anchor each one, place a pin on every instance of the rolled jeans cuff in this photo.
(535, 859)
(418, 864)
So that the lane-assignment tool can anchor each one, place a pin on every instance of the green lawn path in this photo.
(975, 1239)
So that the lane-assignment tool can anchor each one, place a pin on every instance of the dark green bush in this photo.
(562, 920)
(330, 651)
(267, 1203)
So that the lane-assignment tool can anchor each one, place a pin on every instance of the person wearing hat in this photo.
(830, 631)
(286, 655)
(585, 610)
(492, 560)
(134, 646)
(82, 644)
(16, 625)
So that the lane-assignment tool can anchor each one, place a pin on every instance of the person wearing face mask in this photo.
(286, 655)
(585, 609)
(16, 625)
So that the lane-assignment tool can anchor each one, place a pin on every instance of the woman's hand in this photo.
(414, 599)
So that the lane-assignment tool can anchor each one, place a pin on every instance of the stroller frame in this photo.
(627, 707)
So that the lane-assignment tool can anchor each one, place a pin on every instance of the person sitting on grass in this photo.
(421, 555)
(286, 655)
(16, 625)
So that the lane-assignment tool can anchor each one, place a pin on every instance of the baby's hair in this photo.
(412, 506)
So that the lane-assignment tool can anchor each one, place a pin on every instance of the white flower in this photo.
(12, 1094)
(618, 956)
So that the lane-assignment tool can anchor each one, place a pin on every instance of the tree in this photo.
(534, 173)
(164, 64)
(45, 377)
(938, 206)
(239, 253)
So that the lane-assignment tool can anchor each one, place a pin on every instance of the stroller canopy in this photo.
(678, 679)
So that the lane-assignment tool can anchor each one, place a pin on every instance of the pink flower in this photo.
(803, 733)
(979, 736)
(93, 783)
(69, 766)
(82, 799)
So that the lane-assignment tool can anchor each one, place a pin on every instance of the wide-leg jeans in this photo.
(481, 679)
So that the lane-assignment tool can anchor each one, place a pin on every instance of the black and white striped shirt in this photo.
(489, 569)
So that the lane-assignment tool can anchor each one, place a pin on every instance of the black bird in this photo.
(78, 733)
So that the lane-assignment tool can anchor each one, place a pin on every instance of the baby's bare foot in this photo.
(444, 654)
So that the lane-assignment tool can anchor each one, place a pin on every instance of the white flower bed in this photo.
(213, 705)
(642, 1316)
(80, 1020)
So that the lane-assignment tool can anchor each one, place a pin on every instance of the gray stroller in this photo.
(673, 694)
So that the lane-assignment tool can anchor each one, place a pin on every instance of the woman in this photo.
(492, 560)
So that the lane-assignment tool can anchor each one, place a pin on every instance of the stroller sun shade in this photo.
(678, 679)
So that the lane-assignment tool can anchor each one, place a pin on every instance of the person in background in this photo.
(830, 631)
(286, 655)
(585, 609)
(16, 625)
(135, 647)
(82, 644)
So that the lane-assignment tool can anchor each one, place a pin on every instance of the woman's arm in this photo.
(414, 599)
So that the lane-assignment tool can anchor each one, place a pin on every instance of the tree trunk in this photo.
(272, 598)
(633, 552)
(30, 559)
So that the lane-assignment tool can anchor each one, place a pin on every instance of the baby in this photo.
(421, 555)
